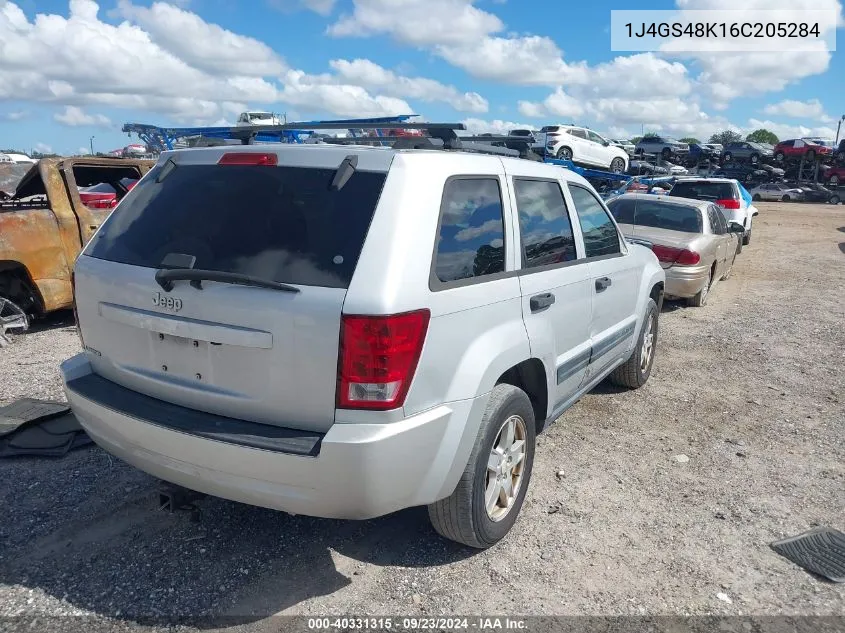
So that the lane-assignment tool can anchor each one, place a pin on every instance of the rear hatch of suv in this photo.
(723, 193)
(273, 238)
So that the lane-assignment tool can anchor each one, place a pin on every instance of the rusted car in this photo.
(43, 226)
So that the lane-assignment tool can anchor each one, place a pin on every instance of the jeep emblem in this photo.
(168, 303)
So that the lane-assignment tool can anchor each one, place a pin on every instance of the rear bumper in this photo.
(685, 281)
(361, 470)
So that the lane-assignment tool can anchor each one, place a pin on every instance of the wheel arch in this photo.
(16, 278)
(530, 376)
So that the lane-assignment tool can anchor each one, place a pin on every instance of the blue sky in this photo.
(74, 69)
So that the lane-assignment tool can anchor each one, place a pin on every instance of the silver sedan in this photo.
(694, 242)
(776, 191)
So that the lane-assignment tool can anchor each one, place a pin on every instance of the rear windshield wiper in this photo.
(165, 278)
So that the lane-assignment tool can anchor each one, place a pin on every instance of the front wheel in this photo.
(834, 199)
(834, 180)
(634, 372)
(756, 197)
(786, 198)
(564, 153)
(617, 165)
(489, 495)
(746, 239)
(666, 153)
(754, 159)
(728, 157)
(780, 156)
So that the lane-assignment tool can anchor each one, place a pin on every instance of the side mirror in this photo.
(736, 227)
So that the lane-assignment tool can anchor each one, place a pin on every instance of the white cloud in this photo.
(19, 115)
(82, 151)
(167, 60)
(496, 126)
(76, 117)
(203, 45)
(319, 93)
(43, 148)
(786, 131)
(812, 109)
(368, 74)
(531, 109)
(418, 22)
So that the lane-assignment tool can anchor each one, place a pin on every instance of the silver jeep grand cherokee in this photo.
(348, 331)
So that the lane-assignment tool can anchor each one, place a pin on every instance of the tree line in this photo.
(724, 137)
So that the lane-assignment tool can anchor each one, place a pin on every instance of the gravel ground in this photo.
(749, 389)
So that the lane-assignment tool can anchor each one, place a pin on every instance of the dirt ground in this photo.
(749, 388)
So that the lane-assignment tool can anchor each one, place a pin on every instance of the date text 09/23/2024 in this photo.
(416, 623)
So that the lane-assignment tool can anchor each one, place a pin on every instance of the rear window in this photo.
(662, 215)
(550, 128)
(277, 223)
(702, 190)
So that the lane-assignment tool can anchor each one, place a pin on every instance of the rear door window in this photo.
(471, 240)
(622, 210)
(284, 224)
(578, 133)
(544, 224)
(600, 235)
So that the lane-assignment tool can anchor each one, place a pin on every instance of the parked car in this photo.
(350, 350)
(582, 145)
(745, 173)
(625, 144)
(676, 170)
(663, 146)
(774, 173)
(797, 147)
(699, 152)
(776, 191)
(717, 148)
(44, 224)
(834, 175)
(103, 195)
(644, 168)
(727, 193)
(814, 192)
(691, 238)
(744, 150)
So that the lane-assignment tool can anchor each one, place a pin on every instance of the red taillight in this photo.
(728, 203)
(669, 255)
(378, 358)
(248, 158)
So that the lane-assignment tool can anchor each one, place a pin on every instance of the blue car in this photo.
(699, 152)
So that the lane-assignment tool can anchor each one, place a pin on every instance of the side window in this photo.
(595, 138)
(713, 216)
(600, 235)
(544, 225)
(471, 242)
(622, 210)
(578, 133)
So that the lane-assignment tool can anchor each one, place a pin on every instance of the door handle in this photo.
(541, 302)
(602, 283)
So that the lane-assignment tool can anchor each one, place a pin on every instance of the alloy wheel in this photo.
(648, 344)
(505, 468)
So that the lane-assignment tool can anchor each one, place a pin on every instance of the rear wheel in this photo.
(834, 199)
(634, 372)
(728, 157)
(756, 197)
(730, 270)
(666, 153)
(755, 158)
(746, 239)
(834, 180)
(12, 317)
(617, 165)
(780, 156)
(564, 153)
(489, 495)
(700, 300)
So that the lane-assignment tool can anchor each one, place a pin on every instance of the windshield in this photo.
(277, 223)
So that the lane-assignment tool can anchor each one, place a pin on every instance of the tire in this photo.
(666, 153)
(754, 158)
(834, 180)
(749, 178)
(727, 275)
(780, 156)
(617, 165)
(840, 156)
(756, 197)
(728, 156)
(634, 372)
(463, 516)
(564, 153)
(700, 300)
(746, 239)
(785, 198)
(834, 199)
